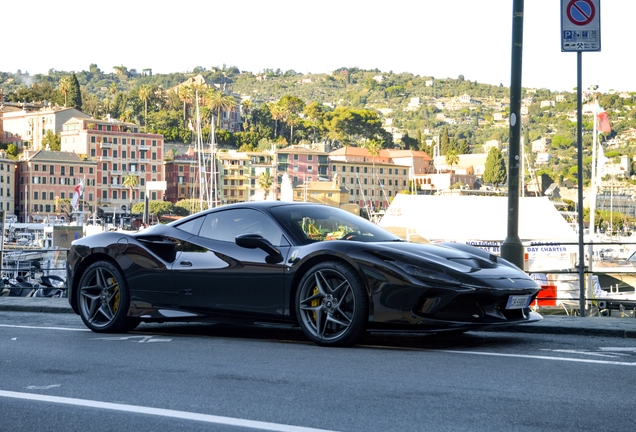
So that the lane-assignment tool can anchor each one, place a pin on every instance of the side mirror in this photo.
(255, 241)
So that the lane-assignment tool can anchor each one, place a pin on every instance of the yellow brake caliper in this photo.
(315, 302)
(116, 297)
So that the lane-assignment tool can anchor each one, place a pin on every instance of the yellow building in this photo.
(331, 193)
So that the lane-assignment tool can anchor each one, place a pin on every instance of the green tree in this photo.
(315, 113)
(495, 169)
(219, 101)
(277, 114)
(54, 141)
(144, 92)
(444, 141)
(452, 158)
(292, 106)
(75, 93)
(156, 208)
(265, 182)
(247, 106)
(373, 147)
(131, 181)
(65, 87)
(12, 151)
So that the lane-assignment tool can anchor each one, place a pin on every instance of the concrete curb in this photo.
(550, 324)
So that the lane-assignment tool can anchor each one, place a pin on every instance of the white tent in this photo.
(475, 218)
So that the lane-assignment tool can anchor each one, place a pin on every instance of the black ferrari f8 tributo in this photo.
(333, 273)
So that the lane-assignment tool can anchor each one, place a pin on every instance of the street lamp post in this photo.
(512, 249)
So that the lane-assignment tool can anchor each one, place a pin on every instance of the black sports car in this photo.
(335, 274)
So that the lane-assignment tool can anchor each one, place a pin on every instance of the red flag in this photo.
(603, 122)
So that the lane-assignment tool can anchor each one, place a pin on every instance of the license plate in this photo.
(518, 302)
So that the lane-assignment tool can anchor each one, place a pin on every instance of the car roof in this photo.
(248, 204)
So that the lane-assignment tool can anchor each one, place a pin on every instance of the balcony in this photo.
(117, 173)
(105, 158)
(117, 186)
(143, 147)
(105, 145)
(143, 160)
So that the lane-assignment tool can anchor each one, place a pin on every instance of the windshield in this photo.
(312, 223)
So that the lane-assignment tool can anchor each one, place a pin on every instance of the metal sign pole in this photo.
(580, 31)
(579, 146)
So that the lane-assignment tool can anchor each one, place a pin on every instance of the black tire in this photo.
(332, 305)
(103, 299)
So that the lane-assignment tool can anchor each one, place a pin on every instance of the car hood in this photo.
(465, 263)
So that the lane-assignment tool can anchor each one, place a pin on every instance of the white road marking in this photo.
(589, 353)
(33, 387)
(605, 362)
(44, 328)
(137, 409)
(619, 349)
(143, 339)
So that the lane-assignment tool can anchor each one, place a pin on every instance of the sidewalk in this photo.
(550, 324)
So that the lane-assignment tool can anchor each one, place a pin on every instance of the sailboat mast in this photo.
(200, 157)
(594, 169)
(212, 202)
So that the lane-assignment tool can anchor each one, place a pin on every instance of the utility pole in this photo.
(512, 249)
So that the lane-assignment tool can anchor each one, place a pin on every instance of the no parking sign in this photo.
(580, 25)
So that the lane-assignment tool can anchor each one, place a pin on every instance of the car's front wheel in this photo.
(332, 305)
(104, 299)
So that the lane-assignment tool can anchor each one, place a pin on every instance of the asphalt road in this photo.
(56, 375)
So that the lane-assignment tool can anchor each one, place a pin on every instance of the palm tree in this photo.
(65, 86)
(247, 106)
(131, 181)
(185, 95)
(229, 104)
(277, 114)
(373, 147)
(265, 182)
(215, 101)
(452, 158)
(144, 93)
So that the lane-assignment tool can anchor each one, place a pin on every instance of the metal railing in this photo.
(609, 283)
(31, 264)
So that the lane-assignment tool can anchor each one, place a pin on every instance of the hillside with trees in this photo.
(349, 106)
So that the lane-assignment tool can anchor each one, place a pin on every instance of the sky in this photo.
(442, 39)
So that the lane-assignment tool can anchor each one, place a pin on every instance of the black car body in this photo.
(335, 274)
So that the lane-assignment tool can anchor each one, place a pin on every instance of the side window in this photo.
(193, 226)
(226, 225)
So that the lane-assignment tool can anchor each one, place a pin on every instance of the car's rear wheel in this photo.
(104, 299)
(332, 305)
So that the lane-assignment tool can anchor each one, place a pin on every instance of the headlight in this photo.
(427, 275)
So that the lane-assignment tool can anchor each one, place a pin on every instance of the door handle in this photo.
(186, 263)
